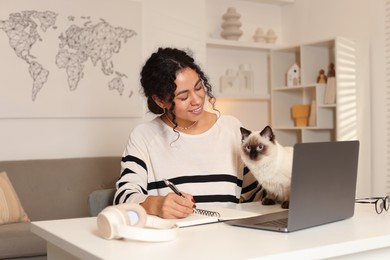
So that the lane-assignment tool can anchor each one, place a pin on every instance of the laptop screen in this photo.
(323, 183)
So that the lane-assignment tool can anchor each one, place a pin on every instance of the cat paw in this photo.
(267, 201)
(285, 204)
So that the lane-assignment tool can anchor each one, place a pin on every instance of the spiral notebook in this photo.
(212, 215)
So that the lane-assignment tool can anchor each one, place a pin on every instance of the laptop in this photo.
(323, 187)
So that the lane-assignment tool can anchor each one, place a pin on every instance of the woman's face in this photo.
(189, 97)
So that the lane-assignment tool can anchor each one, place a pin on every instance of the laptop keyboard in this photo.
(274, 223)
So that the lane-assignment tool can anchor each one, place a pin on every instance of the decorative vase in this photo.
(259, 35)
(300, 114)
(271, 36)
(231, 25)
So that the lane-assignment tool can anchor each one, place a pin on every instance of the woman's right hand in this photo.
(169, 206)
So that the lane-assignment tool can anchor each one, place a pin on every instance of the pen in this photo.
(173, 188)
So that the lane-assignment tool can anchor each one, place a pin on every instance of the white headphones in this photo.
(130, 221)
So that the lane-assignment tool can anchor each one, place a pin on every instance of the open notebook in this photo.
(212, 215)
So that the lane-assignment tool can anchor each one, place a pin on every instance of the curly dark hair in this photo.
(158, 77)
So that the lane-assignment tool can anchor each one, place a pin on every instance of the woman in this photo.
(195, 149)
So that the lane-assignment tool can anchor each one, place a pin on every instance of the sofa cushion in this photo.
(100, 199)
(18, 241)
(11, 211)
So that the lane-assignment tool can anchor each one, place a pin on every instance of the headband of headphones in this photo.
(130, 221)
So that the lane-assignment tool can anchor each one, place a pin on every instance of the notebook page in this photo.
(193, 220)
(229, 213)
(225, 214)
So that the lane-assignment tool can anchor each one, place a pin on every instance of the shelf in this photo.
(273, 2)
(327, 124)
(302, 128)
(286, 88)
(239, 69)
(245, 97)
(327, 106)
(229, 55)
(239, 45)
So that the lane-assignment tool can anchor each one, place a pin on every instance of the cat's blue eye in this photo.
(260, 148)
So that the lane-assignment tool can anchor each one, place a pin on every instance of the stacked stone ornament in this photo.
(231, 25)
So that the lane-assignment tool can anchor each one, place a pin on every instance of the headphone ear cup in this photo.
(114, 217)
(108, 222)
(134, 214)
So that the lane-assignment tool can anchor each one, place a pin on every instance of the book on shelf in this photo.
(313, 114)
(330, 91)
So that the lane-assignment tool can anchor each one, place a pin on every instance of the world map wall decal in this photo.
(80, 58)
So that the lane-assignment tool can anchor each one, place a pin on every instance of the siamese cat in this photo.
(270, 163)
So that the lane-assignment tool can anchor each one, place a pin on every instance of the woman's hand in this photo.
(169, 206)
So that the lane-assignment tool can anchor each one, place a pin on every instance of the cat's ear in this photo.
(267, 133)
(244, 133)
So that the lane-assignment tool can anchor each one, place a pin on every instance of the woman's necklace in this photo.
(180, 127)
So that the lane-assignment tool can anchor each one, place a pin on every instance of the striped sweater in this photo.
(207, 166)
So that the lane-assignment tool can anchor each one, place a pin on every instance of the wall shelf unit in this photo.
(227, 56)
(330, 123)
(254, 55)
(270, 64)
(212, 42)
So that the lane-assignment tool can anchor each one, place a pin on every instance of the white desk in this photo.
(367, 234)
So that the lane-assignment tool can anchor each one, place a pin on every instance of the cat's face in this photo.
(256, 145)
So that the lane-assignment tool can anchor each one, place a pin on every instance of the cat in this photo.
(269, 162)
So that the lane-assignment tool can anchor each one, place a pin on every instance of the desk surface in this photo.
(366, 230)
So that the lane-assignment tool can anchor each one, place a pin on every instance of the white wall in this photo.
(380, 98)
(166, 23)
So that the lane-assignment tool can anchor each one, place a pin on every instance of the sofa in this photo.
(51, 189)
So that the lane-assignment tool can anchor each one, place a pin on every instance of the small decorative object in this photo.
(231, 25)
(271, 36)
(228, 82)
(321, 79)
(259, 35)
(331, 71)
(293, 75)
(300, 114)
(245, 78)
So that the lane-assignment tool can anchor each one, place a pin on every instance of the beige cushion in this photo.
(11, 211)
